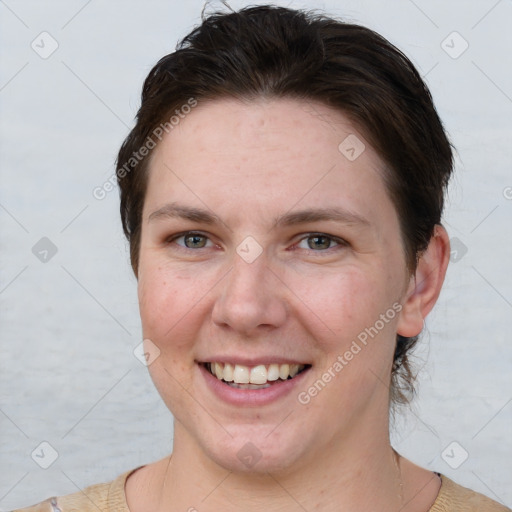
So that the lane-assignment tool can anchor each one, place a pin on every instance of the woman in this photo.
(282, 194)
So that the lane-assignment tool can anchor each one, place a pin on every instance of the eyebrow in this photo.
(320, 214)
(174, 210)
(199, 215)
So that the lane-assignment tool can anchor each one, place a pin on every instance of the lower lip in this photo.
(251, 397)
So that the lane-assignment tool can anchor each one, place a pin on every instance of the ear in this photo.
(425, 284)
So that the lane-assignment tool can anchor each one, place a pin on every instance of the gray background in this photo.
(69, 325)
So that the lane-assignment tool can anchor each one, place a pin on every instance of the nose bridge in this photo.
(247, 298)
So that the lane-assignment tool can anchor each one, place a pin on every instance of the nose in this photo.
(251, 299)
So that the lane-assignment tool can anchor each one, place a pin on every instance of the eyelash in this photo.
(338, 241)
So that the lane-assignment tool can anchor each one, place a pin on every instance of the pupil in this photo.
(195, 241)
(319, 242)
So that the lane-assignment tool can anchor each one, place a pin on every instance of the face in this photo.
(271, 257)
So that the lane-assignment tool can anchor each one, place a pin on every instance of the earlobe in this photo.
(425, 285)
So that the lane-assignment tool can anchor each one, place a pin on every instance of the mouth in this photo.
(260, 376)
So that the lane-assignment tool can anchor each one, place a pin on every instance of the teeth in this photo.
(228, 372)
(294, 369)
(255, 377)
(273, 372)
(219, 371)
(247, 386)
(241, 374)
(258, 375)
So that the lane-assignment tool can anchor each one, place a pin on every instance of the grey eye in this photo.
(195, 241)
(319, 242)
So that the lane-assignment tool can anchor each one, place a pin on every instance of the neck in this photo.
(358, 472)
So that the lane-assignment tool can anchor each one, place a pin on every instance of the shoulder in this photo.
(102, 497)
(454, 498)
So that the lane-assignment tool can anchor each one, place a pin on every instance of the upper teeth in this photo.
(260, 374)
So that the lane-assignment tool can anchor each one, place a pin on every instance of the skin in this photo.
(249, 164)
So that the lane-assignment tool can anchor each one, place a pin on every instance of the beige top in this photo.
(111, 497)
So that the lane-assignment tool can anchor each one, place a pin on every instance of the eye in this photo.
(319, 242)
(192, 240)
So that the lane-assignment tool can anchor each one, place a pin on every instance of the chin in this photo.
(255, 451)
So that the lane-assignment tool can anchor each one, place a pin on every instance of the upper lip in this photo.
(251, 361)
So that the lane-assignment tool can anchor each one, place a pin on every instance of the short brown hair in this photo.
(276, 52)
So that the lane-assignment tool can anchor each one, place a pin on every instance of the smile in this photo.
(256, 377)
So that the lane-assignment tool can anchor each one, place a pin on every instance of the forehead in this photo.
(266, 156)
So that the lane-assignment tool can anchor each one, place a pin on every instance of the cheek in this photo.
(168, 303)
(343, 302)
